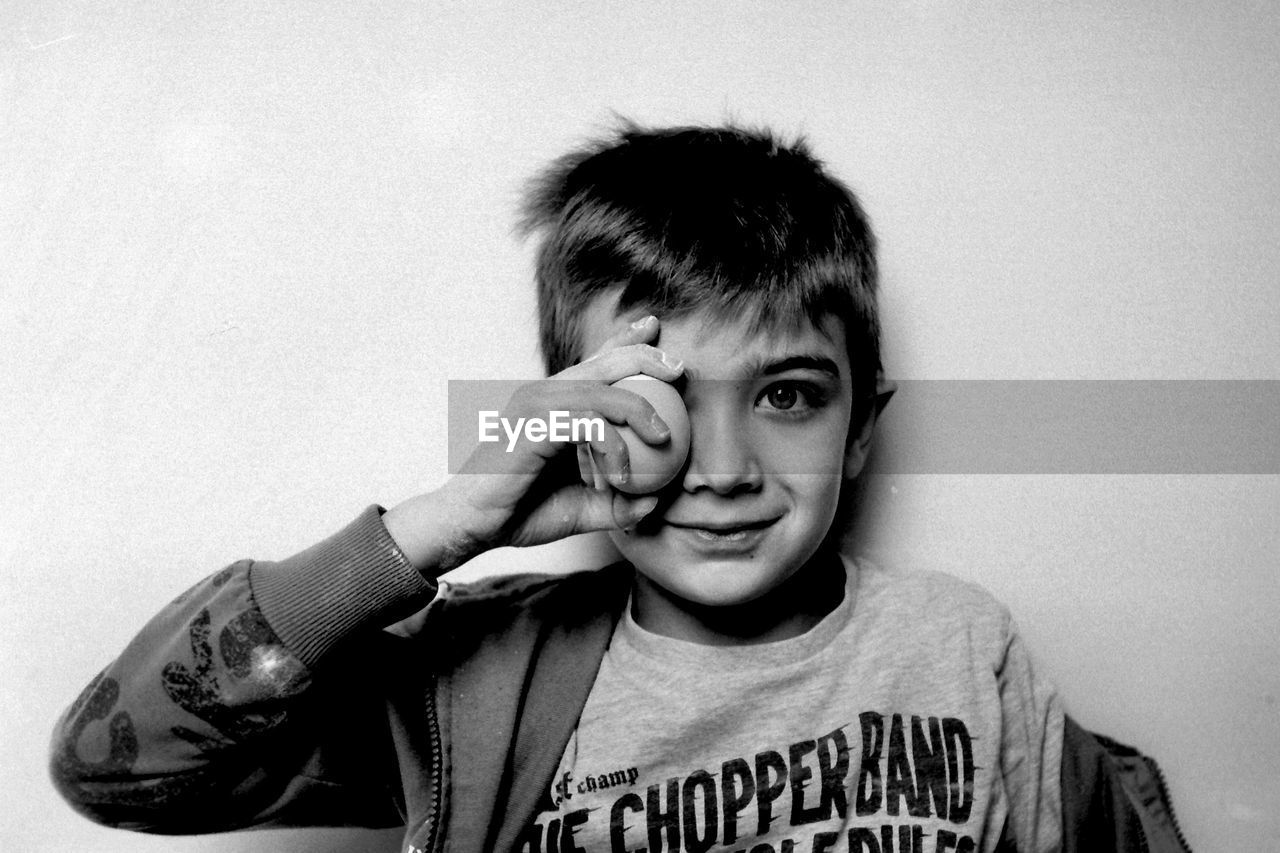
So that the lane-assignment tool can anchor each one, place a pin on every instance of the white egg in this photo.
(654, 467)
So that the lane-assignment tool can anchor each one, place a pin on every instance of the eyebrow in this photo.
(767, 366)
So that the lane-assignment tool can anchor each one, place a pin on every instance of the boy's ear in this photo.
(860, 445)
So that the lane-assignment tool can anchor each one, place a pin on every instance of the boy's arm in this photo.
(514, 495)
(1031, 750)
(220, 713)
(255, 697)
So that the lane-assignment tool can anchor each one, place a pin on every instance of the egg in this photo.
(654, 467)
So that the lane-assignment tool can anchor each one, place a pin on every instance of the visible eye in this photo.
(782, 396)
(793, 398)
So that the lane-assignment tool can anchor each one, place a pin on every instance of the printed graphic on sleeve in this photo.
(883, 783)
(254, 667)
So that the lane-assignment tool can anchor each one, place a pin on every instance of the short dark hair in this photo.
(725, 219)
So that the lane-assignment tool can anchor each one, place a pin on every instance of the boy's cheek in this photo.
(819, 453)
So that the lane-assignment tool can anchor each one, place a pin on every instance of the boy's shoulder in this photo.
(922, 583)
(930, 602)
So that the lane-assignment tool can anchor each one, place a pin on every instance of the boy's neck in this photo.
(793, 608)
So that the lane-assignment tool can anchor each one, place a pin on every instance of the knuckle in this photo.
(612, 444)
(524, 398)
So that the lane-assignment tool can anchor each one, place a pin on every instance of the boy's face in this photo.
(770, 422)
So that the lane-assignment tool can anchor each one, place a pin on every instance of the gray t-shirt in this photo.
(907, 720)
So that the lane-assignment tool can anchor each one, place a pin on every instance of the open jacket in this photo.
(274, 694)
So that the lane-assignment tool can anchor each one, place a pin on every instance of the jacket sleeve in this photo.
(1114, 798)
(255, 698)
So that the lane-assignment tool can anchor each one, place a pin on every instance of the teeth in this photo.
(713, 536)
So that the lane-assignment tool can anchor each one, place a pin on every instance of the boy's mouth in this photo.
(723, 530)
(721, 536)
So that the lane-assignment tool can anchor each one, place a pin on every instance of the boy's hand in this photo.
(528, 496)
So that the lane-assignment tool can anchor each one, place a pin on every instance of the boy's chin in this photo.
(712, 583)
(723, 579)
(704, 606)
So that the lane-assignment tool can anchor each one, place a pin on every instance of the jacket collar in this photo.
(524, 686)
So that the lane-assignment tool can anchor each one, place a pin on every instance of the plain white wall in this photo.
(243, 245)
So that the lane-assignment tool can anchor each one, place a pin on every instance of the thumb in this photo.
(609, 510)
(628, 511)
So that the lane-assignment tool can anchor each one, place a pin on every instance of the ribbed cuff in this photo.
(356, 579)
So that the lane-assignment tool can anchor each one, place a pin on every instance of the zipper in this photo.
(1168, 801)
(437, 768)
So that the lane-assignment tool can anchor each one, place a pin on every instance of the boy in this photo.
(733, 684)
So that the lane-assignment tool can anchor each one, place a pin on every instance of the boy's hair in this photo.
(723, 219)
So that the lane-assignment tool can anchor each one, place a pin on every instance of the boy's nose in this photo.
(722, 456)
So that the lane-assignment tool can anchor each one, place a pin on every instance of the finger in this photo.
(641, 331)
(610, 457)
(622, 406)
(598, 481)
(627, 512)
(574, 509)
(610, 510)
(585, 409)
(586, 472)
(618, 363)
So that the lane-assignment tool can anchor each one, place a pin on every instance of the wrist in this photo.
(431, 531)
